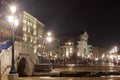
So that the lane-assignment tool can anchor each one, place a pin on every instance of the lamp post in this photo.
(49, 40)
(14, 22)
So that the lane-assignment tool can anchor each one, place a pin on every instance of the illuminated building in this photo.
(29, 30)
(32, 31)
(99, 53)
(84, 50)
(51, 50)
(68, 50)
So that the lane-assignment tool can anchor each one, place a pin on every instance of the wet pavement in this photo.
(70, 73)
(96, 72)
(69, 78)
(89, 68)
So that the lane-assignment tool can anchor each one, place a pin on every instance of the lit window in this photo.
(25, 37)
(35, 49)
(31, 39)
(30, 24)
(24, 28)
(78, 54)
(70, 48)
(28, 29)
(50, 53)
(24, 21)
(39, 46)
(70, 51)
(34, 32)
(69, 43)
(34, 26)
(40, 36)
(67, 54)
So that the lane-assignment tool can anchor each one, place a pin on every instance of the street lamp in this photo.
(14, 22)
(49, 40)
(13, 9)
(49, 37)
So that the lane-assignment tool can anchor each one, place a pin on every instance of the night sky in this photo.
(100, 18)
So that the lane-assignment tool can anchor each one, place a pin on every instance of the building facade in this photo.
(84, 49)
(32, 32)
(68, 50)
(99, 53)
(29, 30)
(54, 49)
(51, 49)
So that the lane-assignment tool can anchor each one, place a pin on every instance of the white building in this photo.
(84, 50)
(68, 49)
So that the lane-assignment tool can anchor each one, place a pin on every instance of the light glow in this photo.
(49, 33)
(67, 54)
(114, 50)
(16, 22)
(13, 9)
(49, 39)
(13, 20)
(78, 54)
(96, 59)
(10, 19)
(111, 56)
(69, 43)
(103, 55)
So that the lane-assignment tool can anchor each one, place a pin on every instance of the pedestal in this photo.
(13, 77)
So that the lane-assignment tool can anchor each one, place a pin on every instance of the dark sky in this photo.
(101, 18)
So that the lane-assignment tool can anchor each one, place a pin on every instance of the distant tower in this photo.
(83, 45)
(84, 37)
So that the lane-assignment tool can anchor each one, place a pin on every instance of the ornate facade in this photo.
(29, 30)
(33, 32)
(84, 50)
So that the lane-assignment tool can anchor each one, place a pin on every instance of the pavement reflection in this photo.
(70, 78)
(94, 69)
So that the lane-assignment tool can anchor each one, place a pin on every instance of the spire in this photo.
(84, 36)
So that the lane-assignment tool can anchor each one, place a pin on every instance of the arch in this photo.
(24, 67)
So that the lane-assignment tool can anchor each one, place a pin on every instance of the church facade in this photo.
(84, 49)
